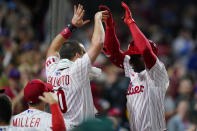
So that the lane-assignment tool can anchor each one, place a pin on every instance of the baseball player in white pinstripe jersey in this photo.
(148, 76)
(69, 72)
(37, 94)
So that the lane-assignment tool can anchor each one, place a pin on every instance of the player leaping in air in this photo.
(148, 76)
(68, 67)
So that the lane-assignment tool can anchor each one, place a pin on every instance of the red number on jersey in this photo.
(62, 100)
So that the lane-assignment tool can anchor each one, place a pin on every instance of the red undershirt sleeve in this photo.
(57, 118)
(112, 45)
(143, 45)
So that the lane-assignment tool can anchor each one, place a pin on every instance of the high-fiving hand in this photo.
(109, 20)
(101, 15)
(77, 19)
(128, 15)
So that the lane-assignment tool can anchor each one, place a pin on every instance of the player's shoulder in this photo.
(53, 58)
(159, 62)
(51, 62)
(33, 112)
(43, 114)
(157, 67)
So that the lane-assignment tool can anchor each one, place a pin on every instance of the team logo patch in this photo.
(58, 73)
(29, 111)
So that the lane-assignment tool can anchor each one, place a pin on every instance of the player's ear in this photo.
(77, 55)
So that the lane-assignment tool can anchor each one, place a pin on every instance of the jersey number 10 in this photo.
(62, 100)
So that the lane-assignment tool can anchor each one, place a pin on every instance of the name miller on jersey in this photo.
(26, 122)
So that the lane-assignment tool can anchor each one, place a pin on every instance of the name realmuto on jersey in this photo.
(57, 81)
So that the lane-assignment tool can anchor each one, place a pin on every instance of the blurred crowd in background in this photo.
(170, 24)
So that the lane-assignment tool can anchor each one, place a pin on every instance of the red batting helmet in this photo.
(133, 50)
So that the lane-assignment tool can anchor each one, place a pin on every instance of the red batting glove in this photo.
(109, 24)
(128, 15)
(109, 21)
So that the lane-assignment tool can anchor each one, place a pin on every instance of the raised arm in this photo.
(112, 44)
(98, 37)
(58, 41)
(140, 40)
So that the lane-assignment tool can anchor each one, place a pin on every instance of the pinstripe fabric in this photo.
(78, 92)
(146, 104)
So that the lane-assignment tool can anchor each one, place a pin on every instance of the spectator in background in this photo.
(185, 91)
(117, 86)
(15, 91)
(192, 62)
(193, 120)
(12, 89)
(183, 45)
(175, 72)
(169, 105)
(180, 122)
(115, 115)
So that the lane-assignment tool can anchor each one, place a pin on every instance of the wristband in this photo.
(66, 33)
(71, 27)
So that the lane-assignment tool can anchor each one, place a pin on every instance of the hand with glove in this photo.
(112, 44)
(109, 20)
(109, 24)
(128, 15)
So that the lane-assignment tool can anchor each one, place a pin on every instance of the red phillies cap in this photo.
(36, 88)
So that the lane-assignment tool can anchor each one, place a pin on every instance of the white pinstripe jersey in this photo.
(73, 85)
(145, 97)
(32, 120)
